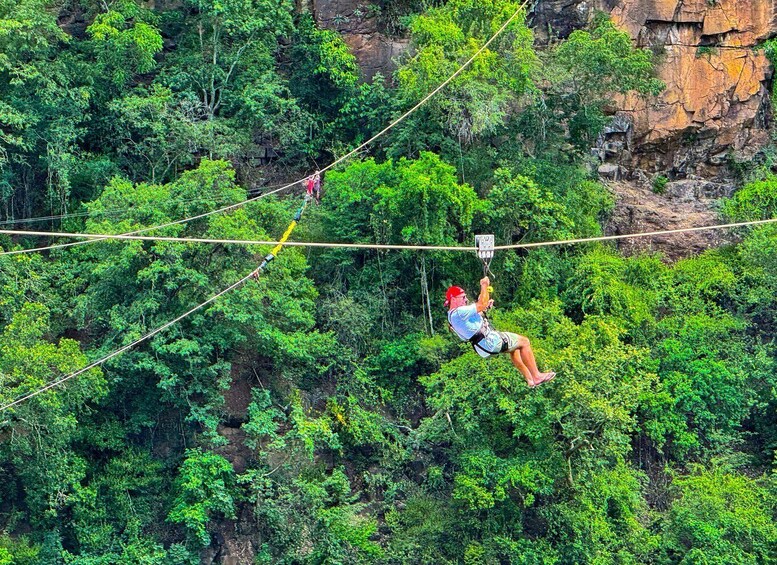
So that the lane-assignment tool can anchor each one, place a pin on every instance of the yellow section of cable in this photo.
(283, 239)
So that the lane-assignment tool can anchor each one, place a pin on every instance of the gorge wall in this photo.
(714, 111)
(716, 102)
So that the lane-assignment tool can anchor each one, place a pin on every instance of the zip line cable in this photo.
(632, 235)
(283, 242)
(93, 237)
(101, 237)
(46, 218)
(125, 348)
(331, 165)
(149, 335)
(108, 212)
(150, 228)
(83, 214)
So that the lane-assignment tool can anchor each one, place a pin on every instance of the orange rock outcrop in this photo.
(716, 77)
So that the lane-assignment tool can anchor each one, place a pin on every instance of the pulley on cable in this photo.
(485, 250)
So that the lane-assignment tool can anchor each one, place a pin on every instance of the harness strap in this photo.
(480, 335)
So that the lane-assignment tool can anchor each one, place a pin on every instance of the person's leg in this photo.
(511, 342)
(527, 357)
(522, 357)
(515, 357)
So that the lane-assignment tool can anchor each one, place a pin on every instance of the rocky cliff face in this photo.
(716, 102)
(357, 21)
(716, 107)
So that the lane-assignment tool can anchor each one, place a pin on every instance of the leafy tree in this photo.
(217, 90)
(43, 110)
(584, 72)
(522, 210)
(203, 489)
(425, 531)
(604, 521)
(720, 517)
(600, 286)
(314, 518)
(125, 40)
(478, 101)
(754, 201)
(582, 427)
(42, 429)
(700, 369)
(323, 67)
(599, 58)
(155, 135)
(114, 514)
(17, 551)
(752, 296)
(363, 112)
(236, 40)
(28, 278)
(378, 203)
(127, 290)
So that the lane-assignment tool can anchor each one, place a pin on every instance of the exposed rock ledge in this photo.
(716, 101)
(683, 204)
(374, 50)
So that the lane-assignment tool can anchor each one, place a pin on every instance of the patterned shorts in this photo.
(509, 341)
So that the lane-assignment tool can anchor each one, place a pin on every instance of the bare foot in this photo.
(544, 377)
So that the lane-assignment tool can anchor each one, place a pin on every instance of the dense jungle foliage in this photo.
(324, 413)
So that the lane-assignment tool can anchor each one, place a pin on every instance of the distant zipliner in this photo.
(313, 186)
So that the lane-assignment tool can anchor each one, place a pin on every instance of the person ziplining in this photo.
(469, 323)
(313, 187)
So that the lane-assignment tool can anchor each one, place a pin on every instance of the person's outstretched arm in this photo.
(484, 299)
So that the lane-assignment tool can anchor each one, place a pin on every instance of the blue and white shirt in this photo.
(466, 321)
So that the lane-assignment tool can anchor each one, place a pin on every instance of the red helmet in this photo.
(453, 292)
